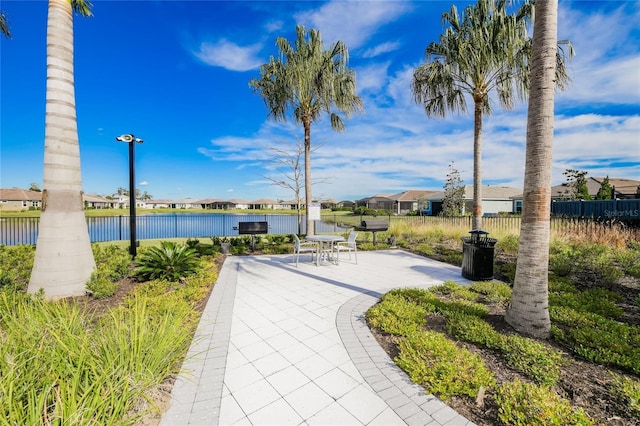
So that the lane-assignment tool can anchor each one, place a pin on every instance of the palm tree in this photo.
(484, 51)
(310, 81)
(528, 311)
(4, 25)
(64, 260)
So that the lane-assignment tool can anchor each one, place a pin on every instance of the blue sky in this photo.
(176, 73)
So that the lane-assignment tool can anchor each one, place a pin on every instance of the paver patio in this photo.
(280, 345)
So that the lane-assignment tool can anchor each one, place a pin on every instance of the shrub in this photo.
(536, 360)
(507, 271)
(629, 260)
(508, 244)
(561, 285)
(452, 307)
(114, 260)
(475, 330)
(169, 261)
(455, 291)
(539, 362)
(443, 368)
(523, 403)
(562, 258)
(100, 285)
(597, 338)
(599, 301)
(396, 315)
(493, 291)
(16, 263)
(418, 296)
(425, 249)
(628, 390)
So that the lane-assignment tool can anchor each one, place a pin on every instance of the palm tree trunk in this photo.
(307, 175)
(477, 166)
(528, 311)
(63, 260)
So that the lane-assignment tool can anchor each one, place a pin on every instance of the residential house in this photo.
(98, 202)
(377, 202)
(158, 204)
(291, 204)
(622, 188)
(264, 204)
(495, 199)
(185, 203)
(412, 200)
(238, 203)
(17, 199)
(346, 203)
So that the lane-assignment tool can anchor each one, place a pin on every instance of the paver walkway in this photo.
(280, 345)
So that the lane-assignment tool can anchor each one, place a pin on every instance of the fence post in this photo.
(120, 228)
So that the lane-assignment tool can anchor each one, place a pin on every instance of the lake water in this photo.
(24, 230)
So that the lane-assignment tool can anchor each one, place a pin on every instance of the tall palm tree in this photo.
(64, 260)
(4, 25)
(310, 81)
(485, 50)
(528, 311)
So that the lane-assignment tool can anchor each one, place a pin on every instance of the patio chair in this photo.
(304, 247)
(348, 246)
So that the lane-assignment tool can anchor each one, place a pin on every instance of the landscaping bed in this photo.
(590, 386)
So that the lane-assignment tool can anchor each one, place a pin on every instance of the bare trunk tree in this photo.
(528, 311)
(477, 166)
(307, 176)
(63, 260)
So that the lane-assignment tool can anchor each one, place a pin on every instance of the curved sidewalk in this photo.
(280, 345)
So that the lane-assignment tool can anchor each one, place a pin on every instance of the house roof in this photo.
(412, 195)
(210, 201)
(158, 202)
(94, 198)
(238, 201)
(375, 198)
(264, 201)
(19, 194)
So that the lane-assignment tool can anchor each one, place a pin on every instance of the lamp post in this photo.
(131, 140)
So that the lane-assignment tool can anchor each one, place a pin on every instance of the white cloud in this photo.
(380, 49)
(352, 22)
(394, 146)
(231, 56)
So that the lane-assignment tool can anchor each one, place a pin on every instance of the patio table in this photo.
(325, 246)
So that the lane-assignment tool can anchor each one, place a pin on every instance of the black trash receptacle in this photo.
(477, 256)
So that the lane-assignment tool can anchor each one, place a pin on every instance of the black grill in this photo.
(374, 226)
(253, 228)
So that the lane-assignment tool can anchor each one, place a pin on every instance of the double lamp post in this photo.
(131, 140)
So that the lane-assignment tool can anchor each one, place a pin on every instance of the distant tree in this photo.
(34, 187)
(121, 191)
(287, 164)
(485, 51)
(4, 25)
(453, 201)
(606, 190)
(576, 185)
(64, 259)
(422, 204)
(310, 81)
(145, 196)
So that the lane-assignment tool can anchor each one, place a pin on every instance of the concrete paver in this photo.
(280, 345)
